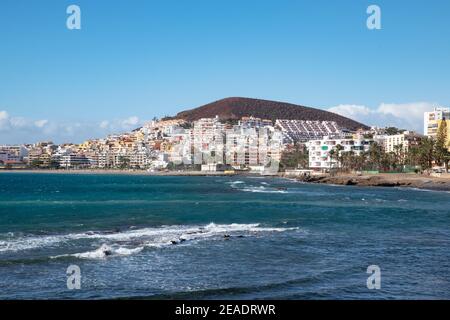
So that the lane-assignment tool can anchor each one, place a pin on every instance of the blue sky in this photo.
(133, 60)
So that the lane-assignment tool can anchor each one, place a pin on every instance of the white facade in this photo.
(391, 143)
(207, 141)
(13, 153)
(319, 150)
(304, 130)
(253, 146)
(73, 160)
(251, 122)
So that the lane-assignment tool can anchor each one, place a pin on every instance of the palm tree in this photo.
(339, 149)
(331, 154)
(375, 155)
(399, 155)
(441, 153)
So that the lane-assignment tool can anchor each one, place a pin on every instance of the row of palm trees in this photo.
(419, 157)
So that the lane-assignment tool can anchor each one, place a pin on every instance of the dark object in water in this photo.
(107, 252)
(241, 236)
(173, 242)
(182, 240)
(226, 236)
(116, 230)
(282, 188)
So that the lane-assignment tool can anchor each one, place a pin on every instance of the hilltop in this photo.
(235, 108)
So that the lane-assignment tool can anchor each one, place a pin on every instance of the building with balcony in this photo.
(321, 158)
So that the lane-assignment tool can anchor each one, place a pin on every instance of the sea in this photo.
(99, 236)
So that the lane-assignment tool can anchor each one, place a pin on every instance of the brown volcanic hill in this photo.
(236, 108)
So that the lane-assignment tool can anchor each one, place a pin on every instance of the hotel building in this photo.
(319, 150)
(432, 119)
(304, 130)
(391, 143)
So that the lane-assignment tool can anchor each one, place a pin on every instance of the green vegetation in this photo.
(296, 158)
(393, 131)
(441, 152)
(36, 163)
(124, 162)
(418, 158)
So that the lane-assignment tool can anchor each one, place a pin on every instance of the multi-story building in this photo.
(74, 161)
(432, 119)
(253, 146)
(6, 157)
(207, 141)
(14, 153)
(140, 159)
(320, 157)
(394, 143)
(303, 130)
(447, 122)
(251, 122)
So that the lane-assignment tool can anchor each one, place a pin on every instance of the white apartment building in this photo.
(391, 143)
(207, 141)
(431, 120)
(13, 153)
(253, 146)
(252, 142)
(251, 122)
(74, 161)
(6, 157)
(180, 152)
(304, 130)
(319, 150)
(140, 159)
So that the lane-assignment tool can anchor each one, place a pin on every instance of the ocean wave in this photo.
(133, 241)
(262, 189)
(422, 190)
(102, 252)
(235, 182)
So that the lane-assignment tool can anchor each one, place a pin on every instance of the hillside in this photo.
(236, 108)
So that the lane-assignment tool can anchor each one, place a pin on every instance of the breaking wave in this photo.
(262, 189)
(134, 241)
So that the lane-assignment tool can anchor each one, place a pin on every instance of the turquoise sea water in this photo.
(236, 238)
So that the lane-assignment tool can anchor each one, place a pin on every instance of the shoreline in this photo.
(403, 180)
(127, 172)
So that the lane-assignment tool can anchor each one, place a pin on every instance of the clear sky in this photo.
(133, 60)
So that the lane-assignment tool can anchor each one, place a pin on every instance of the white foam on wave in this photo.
(133, 241)
(420, 189)
(95, 254)
(102, 252)
(262, 189)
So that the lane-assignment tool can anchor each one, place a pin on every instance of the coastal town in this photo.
(248, 145)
